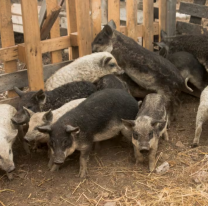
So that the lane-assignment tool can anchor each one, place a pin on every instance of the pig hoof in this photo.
(10, 176)
(194, 145)
(54, 168)
(83, 174)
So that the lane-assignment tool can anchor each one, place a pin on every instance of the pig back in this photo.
(153, 106)
(94, 114)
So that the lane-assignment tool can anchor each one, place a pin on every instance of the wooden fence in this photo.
(84, 23)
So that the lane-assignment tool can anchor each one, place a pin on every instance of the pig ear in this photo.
(128, 123)
(112, 24)
(28, 111)
(108, 31)
(105, 61)
(163, 34)
(44, 129)
(19, 92)
(40, 96)
(154, 122)
(70, 129)
(48, 117)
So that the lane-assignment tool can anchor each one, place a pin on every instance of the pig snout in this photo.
(144, 149)
(119, 71)
(59, 158)
(10, 168)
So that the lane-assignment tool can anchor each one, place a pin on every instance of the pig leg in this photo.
(201, 117)
(9, 175)
(152, 156)
(138, 155)
(84, 157)
(165, 135)
(197, 134)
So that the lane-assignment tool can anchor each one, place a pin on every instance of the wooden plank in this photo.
(7, 36)
(55, 44)
(96, 16)
(148, 24)
(18, 28)
(21, 53)
(11, 53)
(104, 11)
(49, 22)
(19, 79)
(83, 27)
(197, 20)
(196, 10)
(131, 18)
(16, 19)
(72, 26)
(12, 101)
(56, 56)
(32, 44)
(188, 28)
(162, 16)
(171, 17)
(17, 10)
(42, 13)
(114, 11)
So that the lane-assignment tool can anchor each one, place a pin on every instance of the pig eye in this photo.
(10, 151)
(150, 135)
(112, 65)
(99, 40)
(1, 157)
(135, 136)
(29, 107)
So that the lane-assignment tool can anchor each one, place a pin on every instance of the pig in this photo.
(41, 118)
(150, 124)
(201, 117)
(147, 69)
(43, 101)
(194, 44)
(189, 67)
(121, 82)
(110, 81)
(89, 68)
(8, 135)
(135, 90)
(96, 119)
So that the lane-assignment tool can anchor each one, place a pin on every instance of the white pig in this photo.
(8, 133)
(89, 68)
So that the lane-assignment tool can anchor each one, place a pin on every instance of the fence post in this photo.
(96, 17)
(32, 44)
(162, 16)
(114, 12)
(131, 18)
(72, 26)
(84, 27)
(56, 56)
(148, 24)
(7, 36)
(171, 18)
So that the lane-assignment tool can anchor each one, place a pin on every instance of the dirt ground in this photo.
(113, 175)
